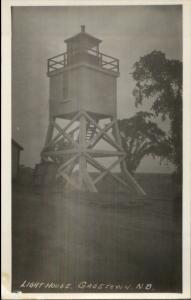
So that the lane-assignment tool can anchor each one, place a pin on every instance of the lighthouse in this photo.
(82, 95)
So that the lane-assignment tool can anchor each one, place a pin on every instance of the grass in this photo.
(107, 238)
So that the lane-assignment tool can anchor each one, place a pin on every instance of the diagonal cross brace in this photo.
(100, 167)
(66, 135)
(48, 144)
(102, 133)
(67, 163)
(103, 174)
(70, 181)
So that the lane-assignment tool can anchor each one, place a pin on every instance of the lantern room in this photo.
(79, 45)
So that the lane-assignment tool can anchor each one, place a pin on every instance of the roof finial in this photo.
(83, 28)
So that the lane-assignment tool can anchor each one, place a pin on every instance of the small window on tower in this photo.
(65, 85)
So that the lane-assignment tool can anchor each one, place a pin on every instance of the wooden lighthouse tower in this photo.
(83, 93)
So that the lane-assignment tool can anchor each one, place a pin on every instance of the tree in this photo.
(159, 80)
(141, 137)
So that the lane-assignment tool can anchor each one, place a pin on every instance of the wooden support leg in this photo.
(50, 131)
(48, 137)
(82, 152)
(132, 181)
(85, 179)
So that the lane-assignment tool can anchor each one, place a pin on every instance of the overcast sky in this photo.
(38, 33)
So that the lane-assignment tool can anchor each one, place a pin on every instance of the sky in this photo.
(127, 33)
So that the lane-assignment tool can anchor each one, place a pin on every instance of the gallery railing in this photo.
(86, 55)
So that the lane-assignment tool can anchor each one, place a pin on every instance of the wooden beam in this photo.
(73, 130)
(100, 167)
(89, 182)
(109, 139)
(82, 133)
(68, 162)
(84, 178)
(132, 180)
(59, 55)
(60, 152)
(104, 153)
(82, 146)
(64, 129)
(117, 133)
(70, 168)
(133, 183)
(103, 174)
(105, 138)
(50, 131)
(66, 135)
(70, 181)
(99, 134)
(95, 153)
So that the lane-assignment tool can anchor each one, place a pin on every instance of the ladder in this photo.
(90, 131)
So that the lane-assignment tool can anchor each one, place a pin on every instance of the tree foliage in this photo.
(159, 80)
(141, 137)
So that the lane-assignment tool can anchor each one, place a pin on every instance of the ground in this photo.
(72, 242)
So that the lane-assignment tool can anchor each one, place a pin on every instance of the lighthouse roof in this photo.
(83, 36)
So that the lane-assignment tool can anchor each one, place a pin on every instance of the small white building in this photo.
(16, 149)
